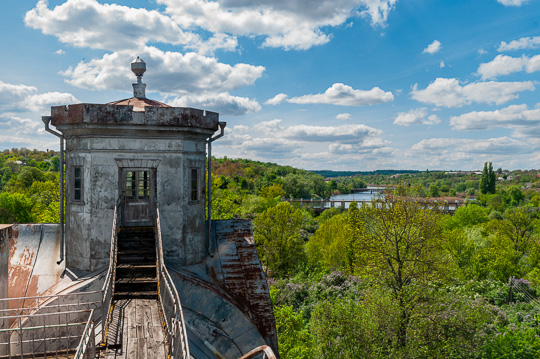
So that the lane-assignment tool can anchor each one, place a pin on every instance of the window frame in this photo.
(74, 187)
(194, 185)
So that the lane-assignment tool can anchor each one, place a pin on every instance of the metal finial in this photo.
(138, 66)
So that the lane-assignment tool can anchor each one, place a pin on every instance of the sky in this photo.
(317, 84)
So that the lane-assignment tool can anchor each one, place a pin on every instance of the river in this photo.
(359, 197)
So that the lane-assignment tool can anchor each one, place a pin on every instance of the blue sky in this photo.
(327, 84)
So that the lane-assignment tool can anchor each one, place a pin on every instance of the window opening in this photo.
(194, 184)
(77, 184)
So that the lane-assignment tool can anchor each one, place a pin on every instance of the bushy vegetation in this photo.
(29, 186)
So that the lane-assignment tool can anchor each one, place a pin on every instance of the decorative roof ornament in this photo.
(138, 66)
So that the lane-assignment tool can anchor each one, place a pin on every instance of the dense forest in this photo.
(394, 279)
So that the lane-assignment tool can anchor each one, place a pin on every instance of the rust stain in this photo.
(243, 276)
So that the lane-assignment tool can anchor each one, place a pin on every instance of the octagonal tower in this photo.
(136, 153)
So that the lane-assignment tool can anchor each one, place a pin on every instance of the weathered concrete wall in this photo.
(85, 113)
(172, 153)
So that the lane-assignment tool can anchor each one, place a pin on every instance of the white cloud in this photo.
(223, 103)
(276, 100)
(167, 72)
(512, 2)
(470, 147)
(301, 144)
(344, 95)
(87, 23)
(517, 117)
(343, 116)
(60, 52)
(291, 24)
(241, 128)
(433, 48)
(521, 44)
(418, 116)
(269, 127)
(482, 52)
(342, 134)
(42, 102)
(11, 94)
(442, 64)
(23, 98)
(504, 65)
(445, 92)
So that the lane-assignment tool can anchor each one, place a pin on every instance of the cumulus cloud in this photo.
(504, 65)
(223, 103)
(21, 98)
(344, 95)
(42, 102)
(342, 134)
(445, 92)
(167, 72)
(11, 93)
(291, 24)
(343, 116)
(433, 48)
(517, 117)
(273, 139)
(471, 147)
(87, 23)
(521, 44)
(269, 127)
(276, 100)
(512, 2)
(418, 116)
(60, 52)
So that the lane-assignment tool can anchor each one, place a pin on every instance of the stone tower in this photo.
(137, 154)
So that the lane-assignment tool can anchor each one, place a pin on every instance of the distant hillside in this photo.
(327, 173)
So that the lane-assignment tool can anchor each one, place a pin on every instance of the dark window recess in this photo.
(77, 184)
(194, 184)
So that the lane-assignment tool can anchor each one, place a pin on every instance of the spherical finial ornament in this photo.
(138, 67)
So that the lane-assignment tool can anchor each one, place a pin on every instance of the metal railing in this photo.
(268, 353)
(170, 304)
(87, 344)
(54, 334)
(108, 286)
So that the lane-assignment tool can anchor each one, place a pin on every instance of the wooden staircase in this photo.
(136, 275)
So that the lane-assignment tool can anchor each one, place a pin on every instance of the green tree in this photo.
(278, 240)
(400, 243)
(15, 208)
(488, 179)
(295, 340)
(329, 247)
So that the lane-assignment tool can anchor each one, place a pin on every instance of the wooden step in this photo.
(135, 285)
(135, 295)
(126, 270)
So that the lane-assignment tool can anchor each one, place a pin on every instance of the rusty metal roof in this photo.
(138, 103)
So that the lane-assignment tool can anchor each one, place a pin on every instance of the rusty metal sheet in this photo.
(34, 250)
(244, 277)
